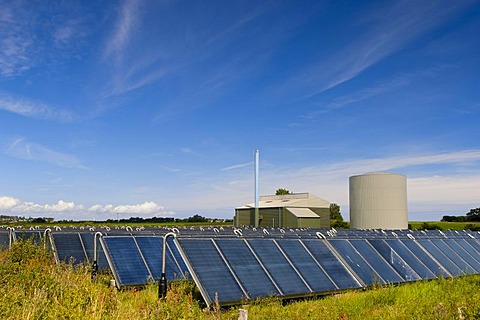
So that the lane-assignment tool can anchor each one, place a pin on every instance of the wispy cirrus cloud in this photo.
(33, 109)
(22, 149)
(237, 166)
(27, 38)
(394, 84)
(16, 39)
(385, 31)
(124, 30)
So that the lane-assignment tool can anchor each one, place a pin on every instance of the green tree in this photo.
(336, 219)
(282, 191)
(335, 212)
(474, 215)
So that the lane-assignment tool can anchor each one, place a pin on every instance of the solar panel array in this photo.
(232, 270)
(232, 265)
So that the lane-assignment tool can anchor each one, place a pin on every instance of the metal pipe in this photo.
(48, 230)
(256, 215)
(11, 230)
(162, 285)
(95, 263)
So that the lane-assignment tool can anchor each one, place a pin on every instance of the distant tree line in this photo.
(41, 220)
(472, 216)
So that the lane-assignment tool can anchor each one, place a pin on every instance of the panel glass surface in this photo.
(394, 260)
(445, 261)
(35, 236)
(279, 268)
(306, 265)
(414, 247)
(471, 260)
(128, 264)
(452, 255)
(151, 248)
(475, 243)
(361, 268)
(172, 247)
(420, 268)
(376, 261)
(4, 240)
(247, 268)
(332, 266)
(69, 248)
(211, 271)
(87, 240)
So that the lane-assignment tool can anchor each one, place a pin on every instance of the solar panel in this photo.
(69, 248)
(307, 266)
(4, 240)
(464, 254)
(35, 236)
(414, 262)
(172, 247)
(395, 260)
(471, 246)
(357, 263)
(425, 257)
(126, 262)
(88, 243)
(376, 262)
(283, 273)
(439, 256)
(151, 249)
(336, 270)
(210, 272)
(247, 268)
(453, 256)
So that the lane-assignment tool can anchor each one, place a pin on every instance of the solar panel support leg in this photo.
(162, 287)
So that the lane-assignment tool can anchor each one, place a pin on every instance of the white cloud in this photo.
(146, 208)
(8, 202)
(67, 210)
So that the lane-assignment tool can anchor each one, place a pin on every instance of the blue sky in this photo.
(155, 108)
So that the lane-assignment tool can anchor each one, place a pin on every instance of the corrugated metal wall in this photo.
(378, 201)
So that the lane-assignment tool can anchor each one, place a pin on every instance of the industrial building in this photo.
(378, 201)
(297, 210)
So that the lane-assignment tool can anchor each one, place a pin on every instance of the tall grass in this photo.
(33, 287)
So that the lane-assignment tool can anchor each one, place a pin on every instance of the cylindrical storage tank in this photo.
(378, 201)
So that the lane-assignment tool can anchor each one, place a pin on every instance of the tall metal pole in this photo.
(256, 160)
(162, 285)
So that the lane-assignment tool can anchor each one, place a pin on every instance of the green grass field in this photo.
(34, 287)
(444, 225)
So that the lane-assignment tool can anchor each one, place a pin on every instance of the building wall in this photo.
(244, 217)
(269, 217)
(324, 214)
(308, 223)
(378, 201)
(281, 218)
